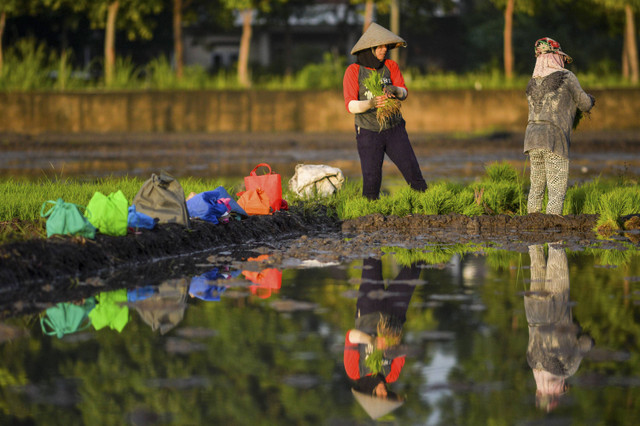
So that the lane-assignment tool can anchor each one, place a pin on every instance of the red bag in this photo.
(269, 183)
(254, 202)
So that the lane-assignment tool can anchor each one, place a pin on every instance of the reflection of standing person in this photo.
(380, 314)
(375, 138)
(555, 351)
(554, 96)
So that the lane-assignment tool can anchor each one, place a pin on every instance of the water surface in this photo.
(488, 337)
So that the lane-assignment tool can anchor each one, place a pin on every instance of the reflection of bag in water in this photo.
(66, 318)
(311, 179)
(162, 198)
(164, 309)
(111, 310)
(205, 287)
(66, 219)
(265, 282)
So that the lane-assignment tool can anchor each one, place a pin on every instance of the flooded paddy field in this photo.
(530, 320)
(461, 158)
(509, 330)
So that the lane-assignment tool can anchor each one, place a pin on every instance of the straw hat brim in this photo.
(376, 407)
(377, 35)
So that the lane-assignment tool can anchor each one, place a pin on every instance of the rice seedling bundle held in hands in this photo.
(391, 106)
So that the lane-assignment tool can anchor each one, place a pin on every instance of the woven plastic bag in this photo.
(312, 179)
(109, 214)
(162, 197)
(66, 219)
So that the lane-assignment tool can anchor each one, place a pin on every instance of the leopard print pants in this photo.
(547, 170)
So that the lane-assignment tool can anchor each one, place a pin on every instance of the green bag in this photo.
(65, 219)
(65, 318)
(109, 213)
(162, 198)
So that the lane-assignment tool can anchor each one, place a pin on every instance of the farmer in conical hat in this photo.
(373, 87)
(554, 96)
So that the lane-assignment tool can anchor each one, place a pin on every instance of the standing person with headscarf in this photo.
(380, 128)
(554, 96)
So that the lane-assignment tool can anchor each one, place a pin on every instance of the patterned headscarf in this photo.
(549, 45)
(550, 57)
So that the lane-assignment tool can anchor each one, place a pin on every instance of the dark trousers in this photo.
(392, 299)
(372, 146)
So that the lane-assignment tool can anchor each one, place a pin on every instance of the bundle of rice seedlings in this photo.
(391, 106)
(373, 361)
(389, 334)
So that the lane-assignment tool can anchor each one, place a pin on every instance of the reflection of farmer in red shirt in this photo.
(372, 358)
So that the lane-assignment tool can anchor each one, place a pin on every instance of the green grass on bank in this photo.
(502, 190)
(29, 66)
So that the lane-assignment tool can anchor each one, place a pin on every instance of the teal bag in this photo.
(65, 318)
(110, 213)
(66, 219)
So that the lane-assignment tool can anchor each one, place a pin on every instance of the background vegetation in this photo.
(127, 44)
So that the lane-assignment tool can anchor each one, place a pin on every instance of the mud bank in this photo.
(37, 272)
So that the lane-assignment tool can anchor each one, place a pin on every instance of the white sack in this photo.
(311, 178)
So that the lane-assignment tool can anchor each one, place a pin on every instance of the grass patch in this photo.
(501, 191)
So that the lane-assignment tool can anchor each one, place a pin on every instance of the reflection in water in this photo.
(373, 357)
(266, 281)
(164, 309)
(205, 287)
(67, 318)
(228, 356)
(556, 347)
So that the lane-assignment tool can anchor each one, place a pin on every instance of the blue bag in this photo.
(220, 192)
(137, 220)
(205, 206)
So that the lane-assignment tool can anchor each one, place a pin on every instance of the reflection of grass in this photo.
(430, 255)
(612, 257)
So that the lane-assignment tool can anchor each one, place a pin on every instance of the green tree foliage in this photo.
(630, 67)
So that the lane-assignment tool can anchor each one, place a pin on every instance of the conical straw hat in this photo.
(376, 407)
(377, 35)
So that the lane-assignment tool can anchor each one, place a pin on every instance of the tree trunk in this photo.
(245, 42)
(368, 15)
(632, 47)
(3, 20)
(508, 44)
(177, 37)
(625, 57)
(395, 26)
(110, 42)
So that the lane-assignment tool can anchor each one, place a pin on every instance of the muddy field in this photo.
(37, 272)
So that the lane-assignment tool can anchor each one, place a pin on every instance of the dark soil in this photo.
(38, 272)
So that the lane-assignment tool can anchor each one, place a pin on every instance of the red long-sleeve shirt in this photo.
(352, 362)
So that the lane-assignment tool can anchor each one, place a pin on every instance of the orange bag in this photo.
(270, 183)
(254, 202)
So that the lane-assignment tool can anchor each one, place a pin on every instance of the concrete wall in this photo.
(291, 111)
